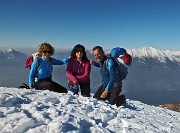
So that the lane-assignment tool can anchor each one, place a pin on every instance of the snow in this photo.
(150, 52)
(33, 111)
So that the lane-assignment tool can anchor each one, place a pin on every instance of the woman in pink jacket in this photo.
(78, 71)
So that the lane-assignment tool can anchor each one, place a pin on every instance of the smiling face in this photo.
(46, 53)
(45, 50)
(79, 54)
(98, 54)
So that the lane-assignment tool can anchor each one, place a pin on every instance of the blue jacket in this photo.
(109, 74)
(45, 69)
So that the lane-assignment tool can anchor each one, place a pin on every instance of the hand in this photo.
(75, 82)
(92, 62)
(104, 94)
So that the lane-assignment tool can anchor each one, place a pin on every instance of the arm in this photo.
(69, 71)
(87, 71)
(59, 62)
(112, 74)
(92, 62)
(32, 73)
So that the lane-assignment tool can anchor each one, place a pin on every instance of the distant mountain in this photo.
(160, 55)
(11, 56)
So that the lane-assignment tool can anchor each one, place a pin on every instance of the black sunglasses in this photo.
(50, 52)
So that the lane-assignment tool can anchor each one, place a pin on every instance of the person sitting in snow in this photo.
(111, 85)
(42, 68)
(78, 71)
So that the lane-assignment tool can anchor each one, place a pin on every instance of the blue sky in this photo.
(109, 23)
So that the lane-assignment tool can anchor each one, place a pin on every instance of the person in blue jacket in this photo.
(41, 69)
(111, 85)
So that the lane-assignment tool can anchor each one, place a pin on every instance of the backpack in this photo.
(28, 62)
(30, 59)
(122, 60)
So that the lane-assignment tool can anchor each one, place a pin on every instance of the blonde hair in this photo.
(45, 46)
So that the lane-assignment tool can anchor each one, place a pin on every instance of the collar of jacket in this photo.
(102, 61)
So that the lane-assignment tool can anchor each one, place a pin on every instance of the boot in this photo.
(121, 100)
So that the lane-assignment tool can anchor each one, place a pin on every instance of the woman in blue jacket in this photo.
(41, 69)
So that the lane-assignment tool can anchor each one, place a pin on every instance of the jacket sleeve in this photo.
(32, 73)
(112, 74)
(59, 62)
(86, 73)
(97, 64)
(69, 71)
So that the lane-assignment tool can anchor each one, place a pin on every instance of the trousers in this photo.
(50, 85)
(112, 95)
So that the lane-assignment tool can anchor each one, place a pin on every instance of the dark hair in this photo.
(98, 47)
(79, 47)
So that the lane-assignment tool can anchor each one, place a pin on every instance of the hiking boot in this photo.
(75, 89)
(121, 100)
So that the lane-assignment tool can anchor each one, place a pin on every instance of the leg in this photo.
(114, 94)
(85, 89)
(58, 88)
(121, 100)
(99, 91)
(44, 86)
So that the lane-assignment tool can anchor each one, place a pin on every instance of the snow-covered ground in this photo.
(32, 111)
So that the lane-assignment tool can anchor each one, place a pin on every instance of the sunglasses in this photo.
(45, 51)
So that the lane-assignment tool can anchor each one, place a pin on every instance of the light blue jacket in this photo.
(109, 74)
(45, 69)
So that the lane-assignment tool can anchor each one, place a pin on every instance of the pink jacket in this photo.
(78, 71)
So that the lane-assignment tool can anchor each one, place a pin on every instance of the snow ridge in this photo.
(144, 52)
(32, 111)
(150, 52)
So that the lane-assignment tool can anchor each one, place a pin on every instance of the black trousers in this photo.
(85, 89)
(50, 85)
(112, 95)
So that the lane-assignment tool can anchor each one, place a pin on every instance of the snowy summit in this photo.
(34, 111)
(150, 52)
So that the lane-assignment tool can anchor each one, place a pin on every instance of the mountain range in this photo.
(152, 78)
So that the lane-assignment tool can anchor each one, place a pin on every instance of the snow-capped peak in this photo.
(10, 50)
(11, 55)
(150, 52)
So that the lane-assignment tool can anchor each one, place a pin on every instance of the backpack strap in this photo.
(116, 63)
(38, 65)
(108, 60)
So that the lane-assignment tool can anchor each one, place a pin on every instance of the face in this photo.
(46, 53)
(98, 54)
(79, 54)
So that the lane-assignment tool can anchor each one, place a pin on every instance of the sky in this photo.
(108, 23)
(33, 111)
